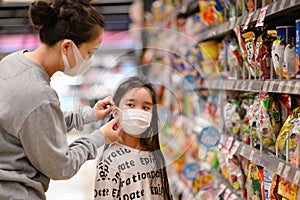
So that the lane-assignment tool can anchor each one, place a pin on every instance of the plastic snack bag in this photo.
(232, 118)
(254, 183)
(269, 121)
(249, 38)
(277, 58)
(288, 190)
(236, 175)
(286, 131)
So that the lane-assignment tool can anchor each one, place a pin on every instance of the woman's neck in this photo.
(46, 57)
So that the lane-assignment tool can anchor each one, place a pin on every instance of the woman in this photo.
(33, 141)
(133, 167)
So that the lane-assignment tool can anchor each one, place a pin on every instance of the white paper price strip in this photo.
(227, 193)
(222, 187)
(261, 16)
(228, 144)
(286, 171)
(233, 197)
(234, 148)
(249, 17)
(243, 151)
(251, 156)
(296, 177)
(279, 168)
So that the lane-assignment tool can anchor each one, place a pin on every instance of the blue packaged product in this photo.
(298, 49)
(286, 34)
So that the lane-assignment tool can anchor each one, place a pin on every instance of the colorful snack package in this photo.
(254, 182)
(235, 59)
(286, 130)
(288, 190)
(293, 143)
(277, 58)
(232, 118)
(252, 115)
(263, 53)
(222, 164)
(249, 38)
(242, 47)
(269, 121)
(285, 106)
(236, 175)
(267, 184)
(247, 100)
(274, 188)
(289, 61)
(259, 54)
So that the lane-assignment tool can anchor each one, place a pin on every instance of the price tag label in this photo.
(229, 143)
(234, 148)
(227, 193)
(249, 17)
(243, 151)
(251, 155)
(279, 168)
(280, 86)
(261, 17)
(233, 197)
(222, 187)
(286, 171)
(296, 177)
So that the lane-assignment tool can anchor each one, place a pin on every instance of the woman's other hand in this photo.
(111, 131)
(103, 107)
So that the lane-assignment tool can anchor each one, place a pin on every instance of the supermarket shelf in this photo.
(227, 27)
(284, 86)
(275, 86)
(225, 187)
(267, 160)
(238, 85)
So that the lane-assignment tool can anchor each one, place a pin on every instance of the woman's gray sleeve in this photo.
(79, 117)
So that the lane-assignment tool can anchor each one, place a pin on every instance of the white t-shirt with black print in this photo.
(124, 173)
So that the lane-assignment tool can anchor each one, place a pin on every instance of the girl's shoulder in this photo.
(116, 146)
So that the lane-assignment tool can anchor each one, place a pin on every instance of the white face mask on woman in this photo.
(135, 121)
(81, 64)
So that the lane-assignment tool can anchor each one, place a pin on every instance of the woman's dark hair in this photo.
(55, 20)
(149, 139)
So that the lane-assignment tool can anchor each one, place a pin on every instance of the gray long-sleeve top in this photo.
(33, 139)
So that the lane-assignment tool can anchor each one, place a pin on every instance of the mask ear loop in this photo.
(114, 110)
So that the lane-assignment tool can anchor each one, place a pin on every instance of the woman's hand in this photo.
(103, 107)
(111, 131)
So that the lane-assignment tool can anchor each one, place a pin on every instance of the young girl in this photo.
(133, 167)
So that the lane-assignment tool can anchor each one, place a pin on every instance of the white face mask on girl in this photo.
(81, 64)
(135, 121)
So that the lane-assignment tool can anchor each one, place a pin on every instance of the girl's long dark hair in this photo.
(149, 139)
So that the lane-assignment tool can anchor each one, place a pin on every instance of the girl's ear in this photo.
(115, 113)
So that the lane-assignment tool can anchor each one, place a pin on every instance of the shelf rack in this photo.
(274, 86)
(273, 163)
(222, 29)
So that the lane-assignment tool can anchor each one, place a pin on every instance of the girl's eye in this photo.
(129, 104)
(147, 108)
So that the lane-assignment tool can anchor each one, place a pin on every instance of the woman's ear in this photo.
(66, 45)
